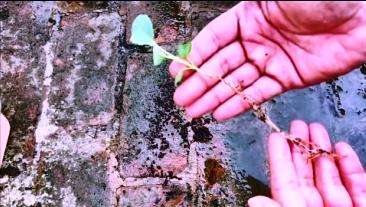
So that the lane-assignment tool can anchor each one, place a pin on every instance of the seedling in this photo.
(143, 34)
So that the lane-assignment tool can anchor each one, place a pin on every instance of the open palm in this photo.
(269, 48)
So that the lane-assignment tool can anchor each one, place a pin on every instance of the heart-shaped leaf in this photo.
(178, 78)
(158, 56)
(4, 134)
(142, 31)
(184, 49)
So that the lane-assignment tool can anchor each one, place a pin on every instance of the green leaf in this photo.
(184, 49)
(178, 78)
(158, 56)
(142, 32)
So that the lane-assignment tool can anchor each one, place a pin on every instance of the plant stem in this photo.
(184, 62)
(311, 150)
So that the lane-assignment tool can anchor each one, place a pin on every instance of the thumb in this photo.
(262, 201)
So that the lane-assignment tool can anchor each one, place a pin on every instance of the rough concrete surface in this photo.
(94, 124)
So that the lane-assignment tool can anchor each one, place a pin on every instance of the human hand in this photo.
(269, 48)
(322, 182)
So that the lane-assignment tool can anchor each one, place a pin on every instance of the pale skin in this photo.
(269, 48)
(323, 182)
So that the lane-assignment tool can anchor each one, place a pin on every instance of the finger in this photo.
(262, 201)
(243, 76)
(216, 35)
(304, 169)
(352, 173)
(223, 62)
(4, 135)
(327, 177)
(284, 183)
(261, 90)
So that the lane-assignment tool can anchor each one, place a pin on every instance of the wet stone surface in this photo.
(94, 123)
(339, 105)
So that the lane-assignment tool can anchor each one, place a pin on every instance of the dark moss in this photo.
(10, 171)
(363, 68)
(173, 193)
(258, 187)
(201, 132)
(4, 14)
(334, 90)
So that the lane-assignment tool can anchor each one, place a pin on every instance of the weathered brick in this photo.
(151, 125)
